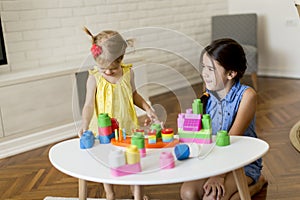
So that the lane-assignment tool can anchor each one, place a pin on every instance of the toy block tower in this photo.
(122, 164)
(193, 126)
(105, 128)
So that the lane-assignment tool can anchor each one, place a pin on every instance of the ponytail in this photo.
(90, 34)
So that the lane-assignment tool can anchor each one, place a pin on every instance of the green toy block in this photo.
(138, 140)
(197, 107)
(206, 121)
(158, 128)
(202, 134)
(104, 120)
(222, 138)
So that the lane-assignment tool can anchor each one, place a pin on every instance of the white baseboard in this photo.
(16, 145)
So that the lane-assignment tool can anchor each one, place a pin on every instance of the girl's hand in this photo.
(214, 187)
(81, 131)
(152, 117)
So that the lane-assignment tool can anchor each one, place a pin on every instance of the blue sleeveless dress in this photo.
(223, 113)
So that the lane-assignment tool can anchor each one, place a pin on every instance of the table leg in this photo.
(242, 185)
(82, 189)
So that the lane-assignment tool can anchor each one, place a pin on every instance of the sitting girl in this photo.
(232, 107)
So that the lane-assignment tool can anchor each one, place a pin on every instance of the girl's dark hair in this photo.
(230, 55)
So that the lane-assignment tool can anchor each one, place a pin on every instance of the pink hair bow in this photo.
(96, 50)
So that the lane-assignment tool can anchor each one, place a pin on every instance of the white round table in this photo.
(92, 164)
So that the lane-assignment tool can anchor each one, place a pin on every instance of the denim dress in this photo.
(223, 113)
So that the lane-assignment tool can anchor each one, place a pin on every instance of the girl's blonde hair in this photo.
(109, 45)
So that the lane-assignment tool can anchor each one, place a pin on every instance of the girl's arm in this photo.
(245, 114)
(139, 101)
(88, 108)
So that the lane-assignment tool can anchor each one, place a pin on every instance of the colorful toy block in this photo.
(104, 128)
(166, 160)
(185, 151)
(124, 164)
(152, 137)
(87, 140)
(222, 138)
(182, 151)
(138, 139)
(158, 128)
(197, 107)
(167, 135)
(193, 127)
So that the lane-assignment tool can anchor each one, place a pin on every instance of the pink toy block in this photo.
(126, 169)
(192, 125)
(105, 130)
(180, 120)
(192, 122)
(189, 111)
(166, 160)
(142, 152)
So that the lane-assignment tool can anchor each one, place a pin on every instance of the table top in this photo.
(92, 164)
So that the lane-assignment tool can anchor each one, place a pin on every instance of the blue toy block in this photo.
(87, 140)
(105, 139)
(182, 151)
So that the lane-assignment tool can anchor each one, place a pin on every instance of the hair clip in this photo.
(96, 50)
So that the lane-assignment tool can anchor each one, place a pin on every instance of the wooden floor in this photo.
(30, 176)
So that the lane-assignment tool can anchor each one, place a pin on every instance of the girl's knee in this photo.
(187, 194)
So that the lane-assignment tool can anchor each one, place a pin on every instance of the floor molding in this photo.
(32, 141)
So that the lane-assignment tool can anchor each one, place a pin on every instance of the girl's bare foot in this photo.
(145, 197)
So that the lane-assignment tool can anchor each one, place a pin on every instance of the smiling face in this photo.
(213, 74)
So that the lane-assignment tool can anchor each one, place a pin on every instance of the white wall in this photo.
(278, 34)
(48, 33)
(43, 33)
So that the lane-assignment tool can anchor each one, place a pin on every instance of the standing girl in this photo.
(232, 107)
(111, 89)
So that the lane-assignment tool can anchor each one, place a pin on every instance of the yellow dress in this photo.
(114, 99)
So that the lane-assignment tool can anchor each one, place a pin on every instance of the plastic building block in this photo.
(192, 122)
(152, 137)
(158, 128)
(87, 140)
(104, 120)
(117, 158)
(167, 135)
(206, 121)
(124, 164)
(105, 139)
(203, 136)
(197, 106)
(166, 160)
(132, 154)
(180, 120)
(126, 169)
(124, 133)
(114, 124)
(222, 138)
(105, 132)
(182, 151)
(138, 139)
